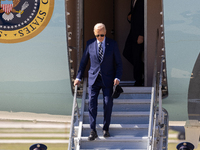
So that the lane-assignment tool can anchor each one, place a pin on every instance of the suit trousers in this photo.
(138, 64)
(93, 103)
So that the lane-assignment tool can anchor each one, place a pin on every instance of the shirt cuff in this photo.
(78, 79)
(118, 79)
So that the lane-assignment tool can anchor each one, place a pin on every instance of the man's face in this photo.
(100, 34)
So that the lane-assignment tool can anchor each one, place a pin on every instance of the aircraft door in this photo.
(154, 37)
(113, 13)
(122, 29)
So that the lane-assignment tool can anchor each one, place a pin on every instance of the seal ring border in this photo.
(38, 31)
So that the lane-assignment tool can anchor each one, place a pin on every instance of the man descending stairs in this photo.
(129, 122)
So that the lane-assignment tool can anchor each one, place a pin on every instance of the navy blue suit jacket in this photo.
(110, 67)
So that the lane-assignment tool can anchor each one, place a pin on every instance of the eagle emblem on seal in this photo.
(7, 8)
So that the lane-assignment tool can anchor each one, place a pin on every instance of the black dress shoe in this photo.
(92, 136)
(106, 133)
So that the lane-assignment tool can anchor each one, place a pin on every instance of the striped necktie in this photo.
(100, 52)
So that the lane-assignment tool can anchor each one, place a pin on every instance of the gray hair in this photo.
(99, 26)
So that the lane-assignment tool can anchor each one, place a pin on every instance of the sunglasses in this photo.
(101, 35)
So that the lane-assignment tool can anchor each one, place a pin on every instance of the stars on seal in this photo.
(30, 18)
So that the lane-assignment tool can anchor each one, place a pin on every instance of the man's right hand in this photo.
(129, 18)
(77, 82)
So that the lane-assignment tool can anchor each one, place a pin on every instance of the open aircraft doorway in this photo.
(82, 15)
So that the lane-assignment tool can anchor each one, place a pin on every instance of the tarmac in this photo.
(6, 124)
(33, 141)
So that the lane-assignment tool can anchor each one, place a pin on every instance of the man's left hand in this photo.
(140, 39)
(116, 82)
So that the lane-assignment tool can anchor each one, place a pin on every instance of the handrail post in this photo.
(160, 91)
(160, 104)
(160, 114)
(156, 99)
(151, 130)
(72, 119)
(75, 100)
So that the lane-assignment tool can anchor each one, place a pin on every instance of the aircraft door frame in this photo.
(154, 37)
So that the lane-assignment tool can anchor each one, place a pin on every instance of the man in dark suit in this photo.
(104, 72)
(134, 46)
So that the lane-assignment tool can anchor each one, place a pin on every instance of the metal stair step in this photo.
(116, 139)
(121, 118)
(126, 101)
(129, 96)
(125, 105)
(111, 149)
(123, 114)
(134, 92)
(117, 126)
(138, 90)
(134, 96)
(116, 130)
(114, 142)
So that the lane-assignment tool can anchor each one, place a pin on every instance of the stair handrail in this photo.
(160, 109)
(156, 99)
(160, 90)
(154, 93)
(75, 109)
(82, 112)
(152, 117)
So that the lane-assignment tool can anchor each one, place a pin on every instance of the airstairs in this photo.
(129, 122)
(135, 123)
(138, 120)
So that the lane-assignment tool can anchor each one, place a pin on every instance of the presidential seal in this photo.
(21, 20)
